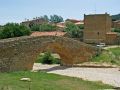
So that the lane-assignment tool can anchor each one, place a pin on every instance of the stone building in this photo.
(111, 38)
(96, 27)
(116, 24)
(36, 21)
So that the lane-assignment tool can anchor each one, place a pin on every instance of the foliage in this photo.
(115, 17)
(13, 30)
(35, 28)
(116, 30)
(115, 51)
(47, 81)
(81, 26)
(56, 19)
(73, 30)
(47, 58)
(46, 17)
(44, 27)
(112, 56)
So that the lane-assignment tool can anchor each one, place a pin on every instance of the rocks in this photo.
(25, 79)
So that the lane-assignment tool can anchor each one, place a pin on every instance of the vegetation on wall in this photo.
(44, 27)
(14, 30)
(47, 58)
(73, 30)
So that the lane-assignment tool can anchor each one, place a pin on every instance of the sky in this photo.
(18, 10)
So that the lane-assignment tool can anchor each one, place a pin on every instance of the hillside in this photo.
(116, 17)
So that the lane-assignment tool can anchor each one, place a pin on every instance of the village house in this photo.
(35, 21)
(116, 24)
(98, 29)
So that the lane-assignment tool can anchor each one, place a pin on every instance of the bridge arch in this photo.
(20, 53)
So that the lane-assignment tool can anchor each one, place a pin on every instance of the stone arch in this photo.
(20, 53)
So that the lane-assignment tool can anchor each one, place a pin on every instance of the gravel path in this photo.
(106, 75)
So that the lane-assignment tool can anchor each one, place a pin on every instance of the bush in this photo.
(43, 27)
(14, 30)
(73, 30)
(47, 58)
(81, 26)
(116, 30)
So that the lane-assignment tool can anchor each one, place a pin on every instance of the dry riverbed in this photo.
(106, 75)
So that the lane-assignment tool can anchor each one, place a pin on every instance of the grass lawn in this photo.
(45, 81)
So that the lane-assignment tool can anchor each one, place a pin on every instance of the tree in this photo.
(73, 30)
(56, 19)
(46, 18)
(115, 17)
(44, 27)
(116, 30)
(14, 30)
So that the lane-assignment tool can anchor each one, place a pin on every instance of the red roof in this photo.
(53, 33)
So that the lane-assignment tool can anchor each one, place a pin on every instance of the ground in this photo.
(45, 81)
(106, 75)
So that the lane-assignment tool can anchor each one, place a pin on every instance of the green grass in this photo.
(44, 81)
(115, 51)
(111, 56)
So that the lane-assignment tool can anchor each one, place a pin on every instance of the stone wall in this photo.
(20, 53)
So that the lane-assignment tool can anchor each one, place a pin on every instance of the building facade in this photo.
(96, 27)
(37, 21)
(116, 24)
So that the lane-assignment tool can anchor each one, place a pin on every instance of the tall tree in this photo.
(56, 19)
(46, 17)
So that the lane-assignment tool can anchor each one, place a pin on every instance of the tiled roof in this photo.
(53, 33)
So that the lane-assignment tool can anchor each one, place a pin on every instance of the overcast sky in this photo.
(18, 10)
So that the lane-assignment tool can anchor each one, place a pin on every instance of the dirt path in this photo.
(114, 46)
(106, 75)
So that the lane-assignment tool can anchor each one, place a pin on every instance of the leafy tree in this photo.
(115, 17)
(46, 17)
(116, 30)
(73, 30)
(35, 28)
(44, 27)
(56, 19)
(81, 26)
(13, 30)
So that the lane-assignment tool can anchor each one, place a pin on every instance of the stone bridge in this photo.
(20, 53)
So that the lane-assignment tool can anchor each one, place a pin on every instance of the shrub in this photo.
(81, 26)
(44, 27)
(47, 58)
(13, 30)
(116, 30)
(73, 30)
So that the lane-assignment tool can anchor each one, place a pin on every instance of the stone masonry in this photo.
(20, 53)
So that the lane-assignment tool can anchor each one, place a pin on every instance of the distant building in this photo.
(111, 38)
(116, 24)
(75, 21)
(37, 21)
(96, 27)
